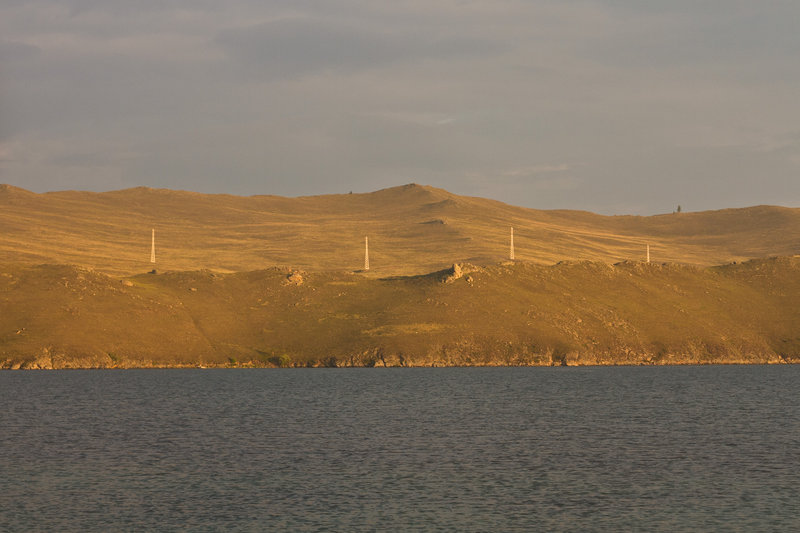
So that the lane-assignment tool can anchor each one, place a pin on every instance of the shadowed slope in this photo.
(412, 229)
(54, 316)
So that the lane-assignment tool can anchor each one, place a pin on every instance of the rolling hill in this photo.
(58, 316)
(412, 229)
(271, 281)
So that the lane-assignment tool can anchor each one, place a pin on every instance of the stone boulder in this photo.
(294, 278)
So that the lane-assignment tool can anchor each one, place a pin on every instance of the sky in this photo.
(611, 106)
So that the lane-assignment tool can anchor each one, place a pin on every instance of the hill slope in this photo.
(412, 229)
(73, 292)
(54, 316)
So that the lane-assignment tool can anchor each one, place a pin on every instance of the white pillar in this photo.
(648, 253)
(153, 247)
(366, 253)
(511, 250)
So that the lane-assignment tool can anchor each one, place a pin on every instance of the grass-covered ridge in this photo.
(55, 316)
(412, 229)
(272, 281)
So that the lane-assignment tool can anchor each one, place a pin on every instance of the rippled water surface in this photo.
(459, 449)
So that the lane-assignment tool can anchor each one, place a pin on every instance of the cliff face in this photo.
(55, 316)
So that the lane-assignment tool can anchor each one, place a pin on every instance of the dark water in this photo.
(512, 449)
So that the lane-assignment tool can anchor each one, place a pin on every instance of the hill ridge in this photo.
(443, 193)
(506, 314)
(412, 229)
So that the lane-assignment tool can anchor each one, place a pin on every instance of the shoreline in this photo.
(378, 367)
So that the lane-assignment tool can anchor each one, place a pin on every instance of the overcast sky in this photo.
(614, 106)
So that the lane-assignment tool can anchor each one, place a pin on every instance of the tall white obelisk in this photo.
(648, 253)
(153, 247)
(366, 253)
(511, 250)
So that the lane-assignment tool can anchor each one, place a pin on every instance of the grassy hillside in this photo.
(412, 229)
(273, 281)
(54, 316)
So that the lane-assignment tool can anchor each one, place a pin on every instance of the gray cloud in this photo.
(737, 37)
(11, 51)
(295, 46)
(606, 105)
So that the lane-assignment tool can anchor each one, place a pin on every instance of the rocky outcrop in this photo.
(459, 270)
(294, 278)
(455, 273)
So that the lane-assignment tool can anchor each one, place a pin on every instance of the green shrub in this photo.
(281, 361)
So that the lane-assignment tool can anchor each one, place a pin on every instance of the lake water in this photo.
(443, 449)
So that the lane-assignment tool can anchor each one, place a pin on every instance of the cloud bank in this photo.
(615, 106)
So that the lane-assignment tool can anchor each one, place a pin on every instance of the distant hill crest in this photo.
(6, 189)
(412, 229)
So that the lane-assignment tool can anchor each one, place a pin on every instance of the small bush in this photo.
(281, 361)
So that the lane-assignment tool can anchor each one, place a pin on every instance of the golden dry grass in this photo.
(412, 229)
(514, 314)
(222, 301)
